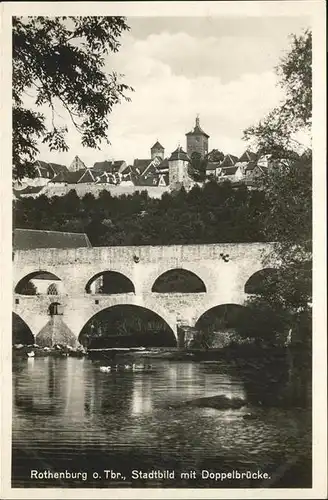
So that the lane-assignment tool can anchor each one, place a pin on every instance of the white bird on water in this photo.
(105, 369)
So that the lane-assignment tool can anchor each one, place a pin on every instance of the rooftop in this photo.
(157, 145)
(140, 165)
(212, 165)
(53, 168)
(247, 156)
(179, 154)
(110, 166)
(77, 177)
(197, 129)
(228, 161)
(228, 171)
(30, 239)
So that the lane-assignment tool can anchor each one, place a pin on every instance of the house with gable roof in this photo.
(247, 166)
(145, 172)
(157, 150)
(78, 177)
(213, 169)
(44, 172)
(227, 174)
(110, 166)
(76, 165)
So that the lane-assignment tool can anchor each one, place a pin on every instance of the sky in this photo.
(220, 68)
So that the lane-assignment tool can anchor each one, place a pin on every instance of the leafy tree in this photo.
(197, 166)
(61, 61)
(275, 134)
(213, 213)
(288, 185)
(215, 155)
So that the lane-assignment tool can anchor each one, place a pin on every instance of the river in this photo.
(69, 416)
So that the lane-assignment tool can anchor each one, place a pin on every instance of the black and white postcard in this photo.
(163, 234)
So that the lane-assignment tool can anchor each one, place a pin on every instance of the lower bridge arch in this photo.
(222, 316)
(127, 325)
(21, 332)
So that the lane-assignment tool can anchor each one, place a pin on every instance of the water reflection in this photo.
(76, 388)
(40, 389)
(111, 416)
(142, 402)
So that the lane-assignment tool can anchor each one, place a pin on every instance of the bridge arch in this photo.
(21, 332)
(221, 317)
(178, 280)
(128, 313)
(109, 283)
(39, 282)
(262, 280)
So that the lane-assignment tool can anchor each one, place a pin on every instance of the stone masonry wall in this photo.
(223, 268)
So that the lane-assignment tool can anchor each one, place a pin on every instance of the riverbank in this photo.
(36, 351)
(210, 356)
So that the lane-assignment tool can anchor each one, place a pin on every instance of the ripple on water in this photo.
(67, 411)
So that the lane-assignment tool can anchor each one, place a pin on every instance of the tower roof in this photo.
(179, 154)
(197, 129)
(157, 145)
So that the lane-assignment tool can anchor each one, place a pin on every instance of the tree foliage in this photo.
(275, 134)
(197, 167)
(288, 185)
(217, 212)
(60, 62)
(215, 155)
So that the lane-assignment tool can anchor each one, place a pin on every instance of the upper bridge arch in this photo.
(178, 280)
(262, 280)
(39, 282)
(108, 283)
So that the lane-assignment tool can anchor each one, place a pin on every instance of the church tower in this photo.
(197, 140)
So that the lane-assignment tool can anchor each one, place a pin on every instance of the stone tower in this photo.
(178, 168)
(157, 150)
(197, 140)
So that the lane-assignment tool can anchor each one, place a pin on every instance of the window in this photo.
(52, 289)
(54, 309)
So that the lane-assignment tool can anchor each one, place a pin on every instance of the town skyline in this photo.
(223, 71)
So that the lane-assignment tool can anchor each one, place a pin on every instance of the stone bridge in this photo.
(224, 270)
